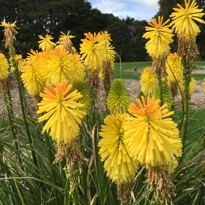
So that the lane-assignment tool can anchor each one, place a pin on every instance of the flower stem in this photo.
(160, 86)
(9, 107)
(51, 159)
(186, 99)
(22, 100)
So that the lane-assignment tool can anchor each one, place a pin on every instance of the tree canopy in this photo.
(40, 17)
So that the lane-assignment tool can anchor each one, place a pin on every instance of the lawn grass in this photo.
(132, 70)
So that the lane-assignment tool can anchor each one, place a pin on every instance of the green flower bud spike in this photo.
(118, 99)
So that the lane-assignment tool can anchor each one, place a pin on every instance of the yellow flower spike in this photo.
(64, 66)
(160, 36)
(19, 61)
(60, 109)
(45, 43)
(4, 66)
(120, 167)
(152, 138)
(33, 76)
(192, 86)
(92, 51)
(174, 68)
(183, 20)
(148, 81)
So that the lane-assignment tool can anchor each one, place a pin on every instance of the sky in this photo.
(137, 9)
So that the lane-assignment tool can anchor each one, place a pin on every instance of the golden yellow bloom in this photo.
(184, 20)
(148, 81)
(92, 51)
(192, 86)
(9, 32)
(65, 42)
(160, 36)
(64, 66)
(4, 66)
(61, 112)
(45, 43)
(105, 39)
(118, 99)
(152, 137)
(33, 76)
(120, 167)
(174, 68)
(19, 61)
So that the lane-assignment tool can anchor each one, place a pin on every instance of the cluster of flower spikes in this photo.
(98, 55)
(118, 164)
(95, 48)
(53, 64)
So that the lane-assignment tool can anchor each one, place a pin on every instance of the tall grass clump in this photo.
(72, 152)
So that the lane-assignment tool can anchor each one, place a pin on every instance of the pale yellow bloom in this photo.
(118, 163)
(64, 66)
(174, 68)
(33, 76)
(192, 86)
(183, 20)
(92, 51)
(148, 81)
(152, 136)
(160, 36)
(45, 43)
(105, 39)
(60, 110)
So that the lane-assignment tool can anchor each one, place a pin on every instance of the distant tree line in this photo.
(40, 17)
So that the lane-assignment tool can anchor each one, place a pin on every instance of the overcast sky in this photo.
(137, 9)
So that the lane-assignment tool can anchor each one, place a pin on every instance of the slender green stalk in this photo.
(51, 159)
(22, 100)
(186, 99)
(160, 87)
(16, 185)
(9, 107)
(66, 195)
